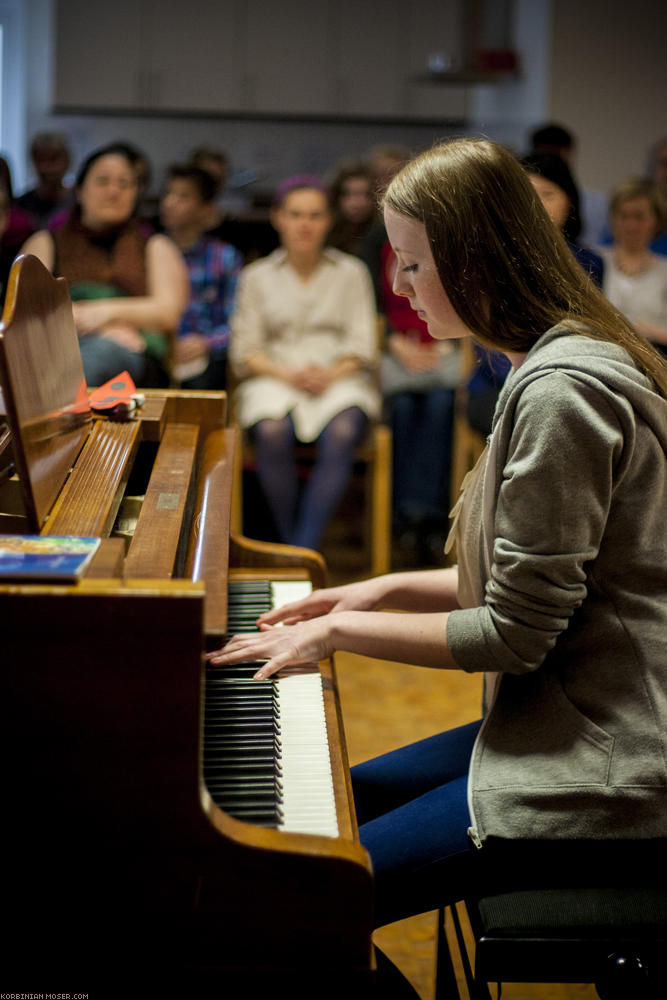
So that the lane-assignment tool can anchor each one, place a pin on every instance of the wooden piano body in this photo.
(119, 871)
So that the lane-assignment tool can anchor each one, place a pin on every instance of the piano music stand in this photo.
(48, 413)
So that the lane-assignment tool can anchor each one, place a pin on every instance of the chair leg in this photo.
(381, 502)
(446, 986)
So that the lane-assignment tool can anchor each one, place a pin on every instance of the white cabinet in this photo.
(170, 55)
(319, 58)
(98, 54)
(194, 55)
(369, 62)
(287, 57)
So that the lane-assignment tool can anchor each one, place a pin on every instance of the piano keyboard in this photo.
(266, 751)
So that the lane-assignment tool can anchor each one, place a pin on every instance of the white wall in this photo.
(609, 83)
(271, 150)
(598, 66)
(13, 89)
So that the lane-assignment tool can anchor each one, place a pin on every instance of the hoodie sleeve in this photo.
(564, 452)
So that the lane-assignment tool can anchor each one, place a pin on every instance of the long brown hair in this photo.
(505, 267)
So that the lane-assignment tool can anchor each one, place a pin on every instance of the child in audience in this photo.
(200, 351)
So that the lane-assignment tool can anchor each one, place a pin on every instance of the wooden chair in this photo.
(468, 444)
(375, 453)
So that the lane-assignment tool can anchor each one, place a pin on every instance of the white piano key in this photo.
(306, 782)
(285, 591)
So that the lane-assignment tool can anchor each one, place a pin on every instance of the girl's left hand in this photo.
(290, 645)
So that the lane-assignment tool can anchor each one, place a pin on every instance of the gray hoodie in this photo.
(573, 553)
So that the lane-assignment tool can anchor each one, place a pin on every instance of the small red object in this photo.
(114, 392)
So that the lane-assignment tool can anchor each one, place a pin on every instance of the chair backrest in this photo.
(43, 383)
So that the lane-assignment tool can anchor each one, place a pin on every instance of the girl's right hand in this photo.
(362, 596)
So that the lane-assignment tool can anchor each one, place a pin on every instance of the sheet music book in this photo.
(35, 557)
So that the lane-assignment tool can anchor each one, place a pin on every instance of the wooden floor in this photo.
(386, 705)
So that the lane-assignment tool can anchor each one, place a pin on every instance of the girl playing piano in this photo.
(560, 593)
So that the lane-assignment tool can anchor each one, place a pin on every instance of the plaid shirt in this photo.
(214, 268)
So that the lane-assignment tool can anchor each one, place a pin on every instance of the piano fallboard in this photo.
(101, 724)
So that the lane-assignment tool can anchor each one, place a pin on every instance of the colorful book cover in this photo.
(37, 557)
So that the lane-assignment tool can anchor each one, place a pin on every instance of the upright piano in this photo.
(167, 825)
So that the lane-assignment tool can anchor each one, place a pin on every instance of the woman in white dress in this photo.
(635, 278)
(304, 345)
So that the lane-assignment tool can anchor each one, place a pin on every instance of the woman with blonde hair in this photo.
(560, 594)
(635, 277)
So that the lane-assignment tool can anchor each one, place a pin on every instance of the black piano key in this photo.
(241, 753)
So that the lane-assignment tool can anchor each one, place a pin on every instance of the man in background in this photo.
(51, 160)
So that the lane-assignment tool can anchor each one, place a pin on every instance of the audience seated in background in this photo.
(353, 207)
(7, 254)
(146, 207)
(129, 288)
(18, 224)
(50, 158)
(385, 160)
(484, 385)
(656, 171)
(200, 351)
(635, 278)
(419, 380)
(254, 237)
(559, 141)
(303, 343)
(216, 165)
(552, 179)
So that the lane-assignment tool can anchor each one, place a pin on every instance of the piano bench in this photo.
(614, 938)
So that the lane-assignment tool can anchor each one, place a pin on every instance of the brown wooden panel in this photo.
(108, 561)
(264, 557)
(100, 720)
(204, 407)
(155, 545)
(208, 549)
(43, 383)
(89, 500)
(153, 416)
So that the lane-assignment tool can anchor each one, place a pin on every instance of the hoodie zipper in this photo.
(472, 831)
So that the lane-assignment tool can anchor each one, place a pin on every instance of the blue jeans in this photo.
(104, 359)
(421, 425)
(413, 819)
